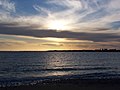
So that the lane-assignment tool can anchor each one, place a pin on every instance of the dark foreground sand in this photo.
(73, 84)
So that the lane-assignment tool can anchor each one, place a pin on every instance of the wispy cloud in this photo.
(7, 5)
(79, 15)
(6, 9)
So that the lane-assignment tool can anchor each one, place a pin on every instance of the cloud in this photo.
(25, 31)
(114, 4)
(115, 25)
(10, 42)
(71, 4)
(53, 44)
(82, 14)
(79, 15)
(7, 5)
(95, 21)
(6, 9)
(42, 10)
(97, 45)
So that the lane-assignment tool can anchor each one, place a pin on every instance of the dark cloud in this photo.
(28, 31)
(53, 44)
(101, 29)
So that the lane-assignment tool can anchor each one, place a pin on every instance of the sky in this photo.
(38, 25)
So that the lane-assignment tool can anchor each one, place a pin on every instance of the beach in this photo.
(72, 84)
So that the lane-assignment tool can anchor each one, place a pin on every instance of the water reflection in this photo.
(85, 62)
(57, 60)
(58, 73)
(42, 64)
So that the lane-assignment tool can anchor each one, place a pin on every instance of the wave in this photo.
(6, 82)
(59, 69)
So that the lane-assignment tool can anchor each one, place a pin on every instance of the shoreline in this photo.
(71, 84)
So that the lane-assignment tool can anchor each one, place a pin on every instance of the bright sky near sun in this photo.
(59, 24)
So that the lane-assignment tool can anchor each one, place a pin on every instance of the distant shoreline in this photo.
(84, 51)
(68, 51)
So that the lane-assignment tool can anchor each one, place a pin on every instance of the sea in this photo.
(25, 68)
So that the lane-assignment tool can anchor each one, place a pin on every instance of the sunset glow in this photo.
(57, 25)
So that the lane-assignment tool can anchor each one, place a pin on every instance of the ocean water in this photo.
(19, 68)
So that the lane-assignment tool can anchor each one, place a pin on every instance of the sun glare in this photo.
(54, 39)
(58, 25)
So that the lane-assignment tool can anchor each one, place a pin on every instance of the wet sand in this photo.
(72, 84)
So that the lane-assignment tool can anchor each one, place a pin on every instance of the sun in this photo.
(58, 25)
